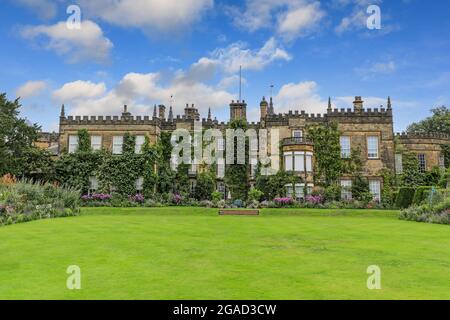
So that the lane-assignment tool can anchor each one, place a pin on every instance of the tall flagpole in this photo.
(240, 83)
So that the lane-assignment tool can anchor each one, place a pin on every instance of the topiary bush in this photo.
(405, 197)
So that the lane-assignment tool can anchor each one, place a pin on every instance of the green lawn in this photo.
(192, 253)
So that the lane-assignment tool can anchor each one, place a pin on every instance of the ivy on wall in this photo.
(237, 175)
(328, 164)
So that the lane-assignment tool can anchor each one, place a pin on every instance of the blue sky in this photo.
(141, 52)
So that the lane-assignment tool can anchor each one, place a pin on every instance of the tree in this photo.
(439, 122)
(17, 153)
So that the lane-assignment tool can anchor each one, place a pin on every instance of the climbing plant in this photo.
(237, 175)
(328, 164)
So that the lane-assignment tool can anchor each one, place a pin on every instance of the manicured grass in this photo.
(192, 253)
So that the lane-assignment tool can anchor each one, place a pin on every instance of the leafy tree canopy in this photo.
(439, 122)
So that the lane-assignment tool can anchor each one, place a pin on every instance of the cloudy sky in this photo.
(142, 52)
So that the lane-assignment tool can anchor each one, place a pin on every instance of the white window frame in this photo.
(373, 147)
(299, 161)
(346, 189)
(375, 189)
(309, 162)
(96, 142)
(73, 143)
(288, 161)
(346, 148)
(139, 143)
(117, 145)
(289, 190)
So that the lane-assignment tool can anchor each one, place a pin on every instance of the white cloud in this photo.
(79, 90)
(299, 96)
(87, 43)
(378, 68)
(160, 15)
(237, 54)
(140, 91)
(300, 21)
(290, 18)
(31, 89)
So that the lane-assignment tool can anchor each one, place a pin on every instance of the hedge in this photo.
(405, 197)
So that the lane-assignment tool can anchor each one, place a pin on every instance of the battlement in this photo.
(109, 120)
(435, 135)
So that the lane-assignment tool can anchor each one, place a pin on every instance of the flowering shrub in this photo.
(139, 198)
(313, 199)
(177, 199)
(283, 202)
(25, 201)
(97, 197)
(439, 213)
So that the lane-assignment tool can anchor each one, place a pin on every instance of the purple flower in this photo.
(313, 199)
(283, 201)
(177, 198)
(139, 198)
(96, 197)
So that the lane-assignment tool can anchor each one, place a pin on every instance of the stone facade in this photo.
(358, 125)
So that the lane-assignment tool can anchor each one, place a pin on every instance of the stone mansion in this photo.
(371, 130)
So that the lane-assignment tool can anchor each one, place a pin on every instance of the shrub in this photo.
(139, 198)
(283, 202)
(255, 195)
(439, 213)
(216, 196)
(314, 200)
(25, 201)
(205, 186)
(420, 195)
(405, 197)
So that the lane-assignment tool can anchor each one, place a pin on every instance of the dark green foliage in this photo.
(120, 172)
(205, 186)
(74, 169)
(360, 188)
(84, 141)
(405, 197)
(432, 178)
(445, 179)
(439, 122)
(411, 177)
(353, 165)
(166, 176)
(236, 175)
(328, 165)
(420, 195)
(446, 153)
(18, 156)
(388, 193)
(275, 185)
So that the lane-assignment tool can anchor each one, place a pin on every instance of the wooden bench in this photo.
(237, 212)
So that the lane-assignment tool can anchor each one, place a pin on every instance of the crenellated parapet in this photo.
(416, 136)
(109, 120)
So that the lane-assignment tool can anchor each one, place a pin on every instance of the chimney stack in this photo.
(358, 104)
